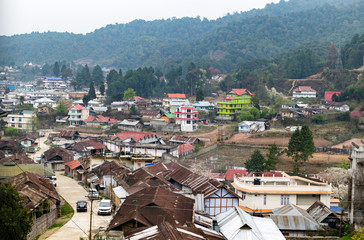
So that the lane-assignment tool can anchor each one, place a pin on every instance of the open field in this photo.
(245, 138)
(225, 156)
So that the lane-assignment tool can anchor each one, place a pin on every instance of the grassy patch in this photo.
(56, 225)
(66, 209)
(205, 128)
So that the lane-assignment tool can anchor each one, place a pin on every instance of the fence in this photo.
(334, 150)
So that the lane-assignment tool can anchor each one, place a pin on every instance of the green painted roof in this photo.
(9, 171)
(28, 111)
(170, 115)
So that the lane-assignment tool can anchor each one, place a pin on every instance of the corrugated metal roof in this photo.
(236, 224)
(291, 217)
(320, 211)
(9, 171)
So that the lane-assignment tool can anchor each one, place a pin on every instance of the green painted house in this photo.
(236, 99)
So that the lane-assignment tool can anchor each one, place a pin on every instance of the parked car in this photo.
(81, 206)
(31, 150)
(54, 180)
(93, 194)
(104, 207)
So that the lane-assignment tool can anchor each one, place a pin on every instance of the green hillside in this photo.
(221, 43)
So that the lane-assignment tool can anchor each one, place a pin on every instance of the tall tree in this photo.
(102, 88)
(199, 95)
(332, 56)
(61, 108)
(86, 99)
(56, 70)
(66, 73)
(300, 147)
(91, 92)
(97, 75)
(256, 163)
(272, 158)
(15, 221)
(86, 76)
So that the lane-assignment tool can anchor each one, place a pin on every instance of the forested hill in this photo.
(221, 43)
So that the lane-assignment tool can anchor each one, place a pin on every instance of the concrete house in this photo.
(251, 126)
(304, 92)
(21, 120)
(56, 158)
(269, 190)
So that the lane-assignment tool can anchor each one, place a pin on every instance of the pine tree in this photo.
(86, 99)
(56, 70)
(199, 95)
(272, 158)
(86, 76)
(300, 147)
(91, 92)
(256, 163)
(102, 88)
(97, 75)
(332, 56)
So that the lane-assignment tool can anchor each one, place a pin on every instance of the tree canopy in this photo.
(301, 147)
(15, 221)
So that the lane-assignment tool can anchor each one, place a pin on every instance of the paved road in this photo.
(43, 147)
(79, 226)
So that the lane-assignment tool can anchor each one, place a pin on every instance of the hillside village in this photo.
(249, 126)
(144, 153)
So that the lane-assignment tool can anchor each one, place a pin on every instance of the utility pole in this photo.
(89, 236)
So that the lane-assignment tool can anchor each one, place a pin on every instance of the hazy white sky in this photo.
(83, 16)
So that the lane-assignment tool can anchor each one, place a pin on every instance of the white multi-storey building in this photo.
(187, 117)
(275, 189)
(21, 120)
(304, 92)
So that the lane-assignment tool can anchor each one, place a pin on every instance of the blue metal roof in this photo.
(53, 78)
(335, 209)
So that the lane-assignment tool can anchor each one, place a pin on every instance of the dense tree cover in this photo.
(15, 221)
(221, 43)
(353, 52)
(97, 75)
(91, 91)
(352, 92)
(300, 147)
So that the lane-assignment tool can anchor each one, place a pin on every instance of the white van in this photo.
(104, 207)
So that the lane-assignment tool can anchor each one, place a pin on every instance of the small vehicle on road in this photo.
(93, 194)
(81, 206)
(104, 207)
(54, 180)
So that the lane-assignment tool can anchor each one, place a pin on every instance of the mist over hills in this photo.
(222, 43)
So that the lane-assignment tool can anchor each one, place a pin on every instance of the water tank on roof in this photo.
(256, 181)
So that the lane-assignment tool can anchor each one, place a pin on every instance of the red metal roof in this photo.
(134, 135)
(185, 148)
(100, 119)
(241, 91)
(304, 88)
(329, 94)
(73, 164)
(176, 95)
(79, 107)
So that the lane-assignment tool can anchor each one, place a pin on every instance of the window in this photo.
(20, 119)
(243, 195)
(188, 122)
(188, 116)
(73, 111)
(13, 119)
(13, 125)
(265, 199)
(19, 126)
(284, 199)
(188, 110)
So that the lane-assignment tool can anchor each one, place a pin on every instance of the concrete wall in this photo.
(43, 223)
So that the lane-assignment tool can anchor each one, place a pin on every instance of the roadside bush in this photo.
(319, 119)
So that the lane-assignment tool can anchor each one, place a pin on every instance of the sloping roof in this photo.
(151, 206)
(79, 107)
(44, 100)
(33, 188)
(18, 159)
(304, 88)
(236, 224)
(149, 113)
(65, 154)
(186, 147)
(167, 230)
(136, 136)
(183, 139)
(329, 94)
(73, 164)
(3, 113)
(241, 91)
(291, 217)
(320, 212)
(176, 95)
(11, 146)
(129, 122)
(110, 168)
(85, 146)
(100, 119)
(68, 133)
(15, 169)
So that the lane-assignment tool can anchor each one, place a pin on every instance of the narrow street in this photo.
(79, 226)
(43, 147)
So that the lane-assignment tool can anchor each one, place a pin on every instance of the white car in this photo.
(104, 207)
